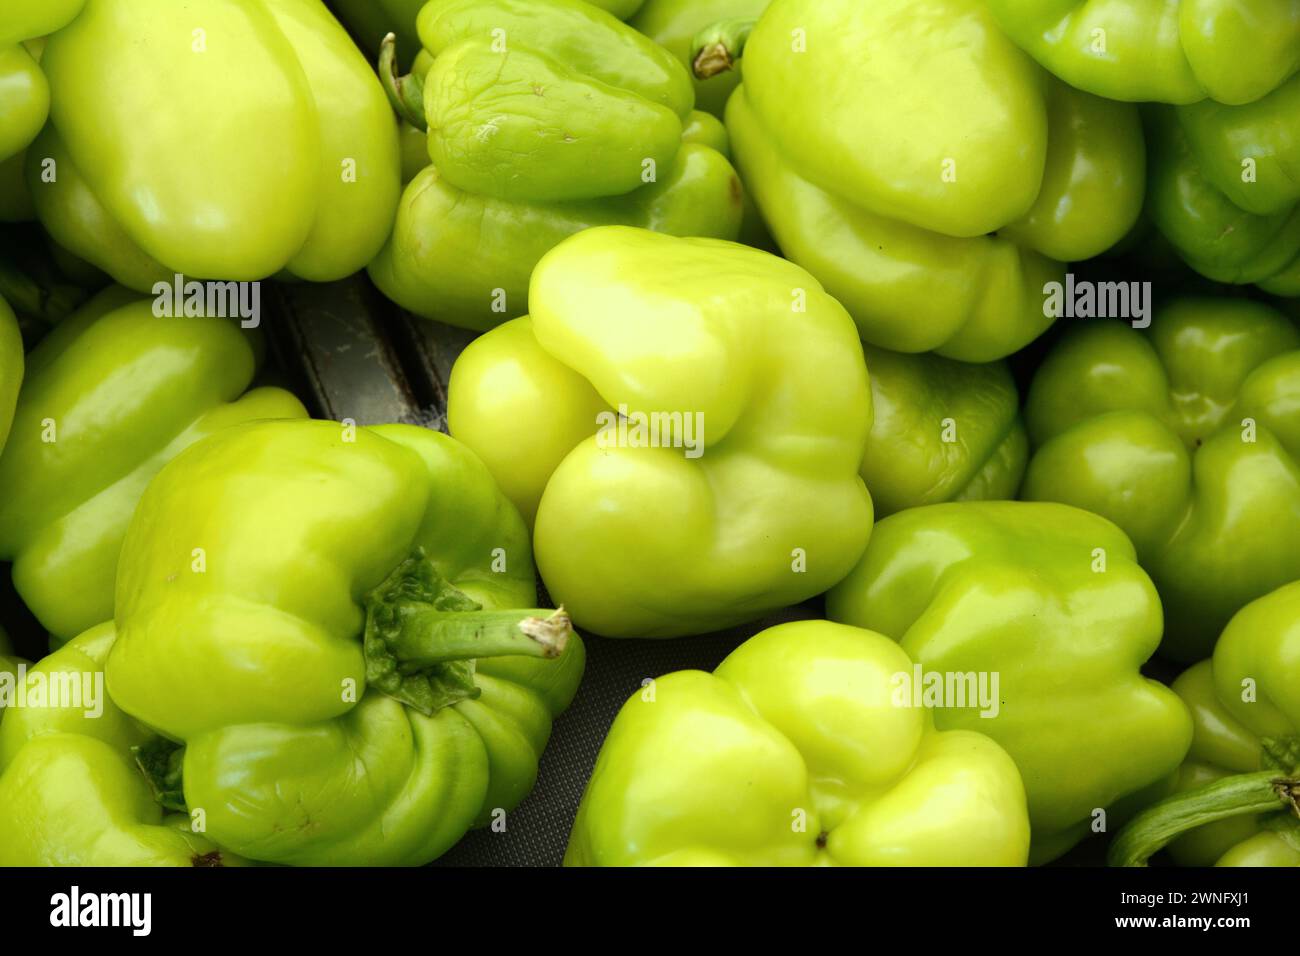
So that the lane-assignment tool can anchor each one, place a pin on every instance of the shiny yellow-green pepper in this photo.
(24, 91)
(111, 395)
(70, 786)
(269, 148)
(544, 117)
(1225, 187)
(740, 496)
(1186, 435)
(1237, 790)
(1169, 51)
(322, 618)
(796, 751)
(1049, 599)
(932, 176)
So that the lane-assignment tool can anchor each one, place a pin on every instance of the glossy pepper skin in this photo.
(942, 431)
(794, 753)
(11, 368)
(126, 179)
(1051, 599)
(562, 119)
(942, 240)
(673, 24)
(24, 91)
(1225, 187)
(760, 508)
(1238, 790)
(1187, 436)
(111, 395)
(72, 792)
(1185, 51)
(24, 99)
(317, 731)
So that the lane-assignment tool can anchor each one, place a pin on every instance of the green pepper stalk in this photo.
(405, 91)
(717, 48)
(423, 635)
(422, 638)
(1243, 794)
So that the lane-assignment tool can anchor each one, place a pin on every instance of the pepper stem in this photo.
(405, 92)
(1158, 825)
(717, 48)
(426, 636)
(423, 636)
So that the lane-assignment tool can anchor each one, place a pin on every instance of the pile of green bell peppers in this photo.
(760, 294)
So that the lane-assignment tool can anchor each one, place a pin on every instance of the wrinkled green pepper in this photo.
(72, 791)
(796, 752)
(1186, 435)
(127, 178)
(1050, 600)
(111, 395)
(544, 117)
(1225, 187)
(673, 24)
(11, 369)
(1239, 792)
(686, 419)
(321, 616)
(943, 431)
(1174, 51)
(943, 239)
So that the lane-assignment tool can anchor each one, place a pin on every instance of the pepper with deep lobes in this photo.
(544, 118)
(686, 420)
(334, 626)
(1051, 601)
(944, 239)
(126, 178)
(1238, 799)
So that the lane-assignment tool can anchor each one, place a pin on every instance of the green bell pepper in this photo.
(686, 419)
(943, 239)
(24, 90)
(111, 395)
(1177, 51)
(1239, 799)
(11, 368)
(318, 614)
(1187, 436)
(72, 792)
(1225, 187)
(129, 180)
(795, 752)
(943, 431)
(369, 21)
(24, 99)
(545, 117)
(673, 24)
(1049, 601)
